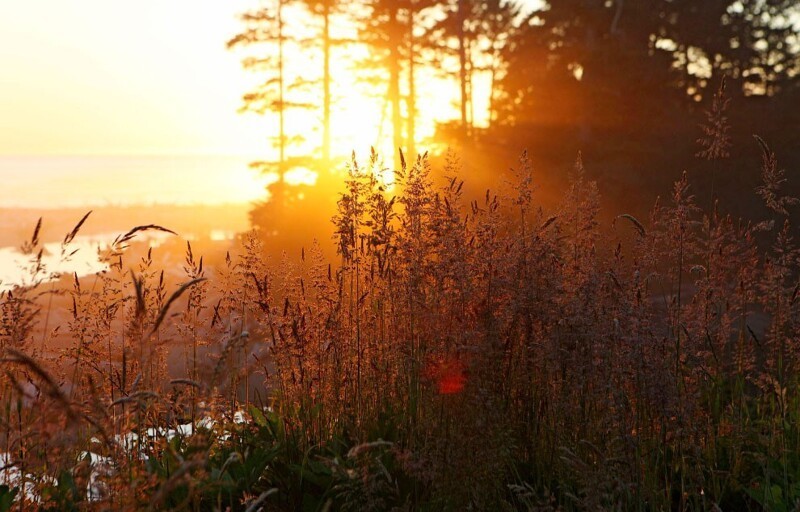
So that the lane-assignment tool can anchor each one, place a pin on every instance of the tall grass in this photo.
(461, 354)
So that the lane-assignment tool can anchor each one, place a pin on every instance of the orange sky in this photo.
(153, 77)
(101, 77)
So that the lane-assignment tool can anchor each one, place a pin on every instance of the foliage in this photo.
(7, 496)
(483, 354)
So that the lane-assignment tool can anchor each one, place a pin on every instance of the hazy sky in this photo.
(153, 77)
(111, 77)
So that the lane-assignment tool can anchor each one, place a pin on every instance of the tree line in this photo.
(461, 38)
(609, 77)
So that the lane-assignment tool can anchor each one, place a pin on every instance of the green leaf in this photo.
(258, 416)
(7, 496)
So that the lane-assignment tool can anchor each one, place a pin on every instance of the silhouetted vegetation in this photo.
(486, 354)
(627, 83)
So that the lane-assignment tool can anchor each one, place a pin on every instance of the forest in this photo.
(580, 292)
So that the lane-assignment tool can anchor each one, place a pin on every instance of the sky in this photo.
(153, 77)
(104, 78)
(107, 77)
(100, 78)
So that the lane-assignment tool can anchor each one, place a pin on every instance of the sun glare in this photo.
(361, 114)
(301, 176)
(247, 186)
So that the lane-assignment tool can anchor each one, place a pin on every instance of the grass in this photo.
(460, 354)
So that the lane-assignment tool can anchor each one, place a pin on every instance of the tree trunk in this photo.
(394, 92)
(326, 84)
(412, 98)
(282, 105)
(492, 80)
(462, 59)
(394, 98)
(471, 118)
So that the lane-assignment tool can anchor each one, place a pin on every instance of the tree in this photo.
(571, 55)
(674, 47)
(498, 23)
(451, 35)
(475, 31)
(628, 82)
(383, 31)
(749, 41)
(415, 8)
(325, 9)
(267, 36)
(390, 28)
(265, 29)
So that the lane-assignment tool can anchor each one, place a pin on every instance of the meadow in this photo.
(458, 353)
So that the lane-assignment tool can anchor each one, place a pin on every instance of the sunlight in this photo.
(246, 186)
(361, 114)
(301, 176)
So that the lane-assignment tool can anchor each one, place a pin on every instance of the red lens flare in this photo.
(448, 373)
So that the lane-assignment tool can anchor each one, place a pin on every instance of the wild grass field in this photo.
(249, 319)
(459, 353)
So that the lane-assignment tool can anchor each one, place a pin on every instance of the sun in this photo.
(242, 185)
